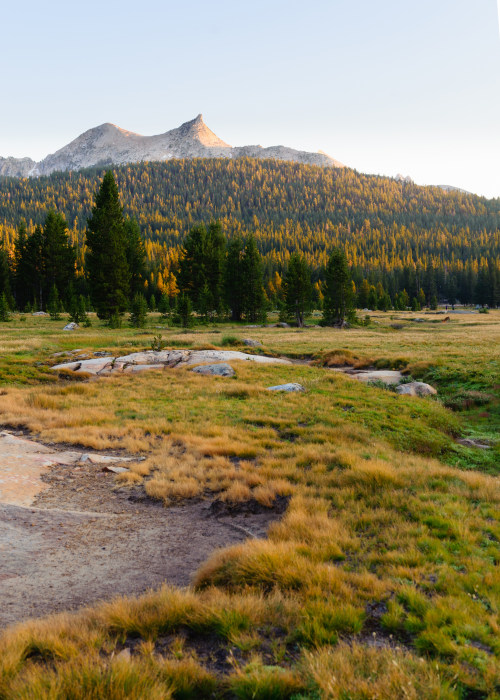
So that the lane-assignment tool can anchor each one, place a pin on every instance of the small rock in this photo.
(71, 326)
(219, 370)
(124, 655)
(416, 389)
(286, 387)
(469, 442)
(102, 459)
(115, 470)
(252, 343)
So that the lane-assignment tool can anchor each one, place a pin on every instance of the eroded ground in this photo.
(83, 540)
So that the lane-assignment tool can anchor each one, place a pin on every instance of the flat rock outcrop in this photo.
(152, 359)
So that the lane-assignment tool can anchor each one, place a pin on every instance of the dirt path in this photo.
(82, 541)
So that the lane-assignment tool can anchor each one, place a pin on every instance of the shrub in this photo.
(230, 340)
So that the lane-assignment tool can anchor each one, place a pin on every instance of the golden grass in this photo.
(376, 519)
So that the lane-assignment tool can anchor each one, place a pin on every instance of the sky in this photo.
(384, 86)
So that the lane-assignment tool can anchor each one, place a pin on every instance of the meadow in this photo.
(381, 579)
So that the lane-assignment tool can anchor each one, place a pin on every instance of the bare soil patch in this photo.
(84, 540)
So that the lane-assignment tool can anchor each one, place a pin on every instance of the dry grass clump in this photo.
(344, 358)
(373, 673)
(178, 472)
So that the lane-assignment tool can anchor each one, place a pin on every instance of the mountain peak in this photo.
(199, 131)
(109, 144)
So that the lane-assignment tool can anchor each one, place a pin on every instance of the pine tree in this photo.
(252, 292)
(5, 287)
(338, 296)
(136, 257)
(184, 311)
(54, 305)
(233, 276)
(298, 288)
(34, 269)
(164, 305)
(363, 295)
(215, 250)
(192, 273)
(138, 311)
(4, 308)
(107, 267)
(21, 274)
(58, 256)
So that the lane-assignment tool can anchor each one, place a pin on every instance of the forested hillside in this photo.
(399, 234)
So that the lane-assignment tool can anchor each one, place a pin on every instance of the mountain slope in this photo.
(108, 144)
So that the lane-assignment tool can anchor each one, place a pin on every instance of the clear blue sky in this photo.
(385, 86)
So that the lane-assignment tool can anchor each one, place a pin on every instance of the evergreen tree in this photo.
(233, 289)
(34, 266)
(338, 297)
(136, 257)
(138, 311)
(5, 287)
(363, 295)
(107, 267)
(372, 299)
(54, 306)
(252, 292)
(215, 249)
(4, 308)
(298, 288)
(192, 273)
(184, 310)
(58, 256)
(164, 305)
(22, 282)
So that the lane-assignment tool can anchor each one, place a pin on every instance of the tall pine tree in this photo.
(136, 257)
(253, 300)
(58, 256)
(338, 296)
(107, 267)
(298, 288)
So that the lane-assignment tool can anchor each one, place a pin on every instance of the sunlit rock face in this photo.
(108, 144)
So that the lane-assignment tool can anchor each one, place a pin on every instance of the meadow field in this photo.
(381, 579)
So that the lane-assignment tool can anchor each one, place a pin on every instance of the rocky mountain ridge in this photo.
(108, 144)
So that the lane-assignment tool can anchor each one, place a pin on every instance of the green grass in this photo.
(382, 574)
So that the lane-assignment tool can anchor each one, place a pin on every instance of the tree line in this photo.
(215, 277)
(395, 235)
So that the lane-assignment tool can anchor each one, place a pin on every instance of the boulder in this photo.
(221, 369)
(416, 389)
(286, 387)
(39, 313)
(252, 343)
(71, 326)
(282, 324)
(387, 376)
